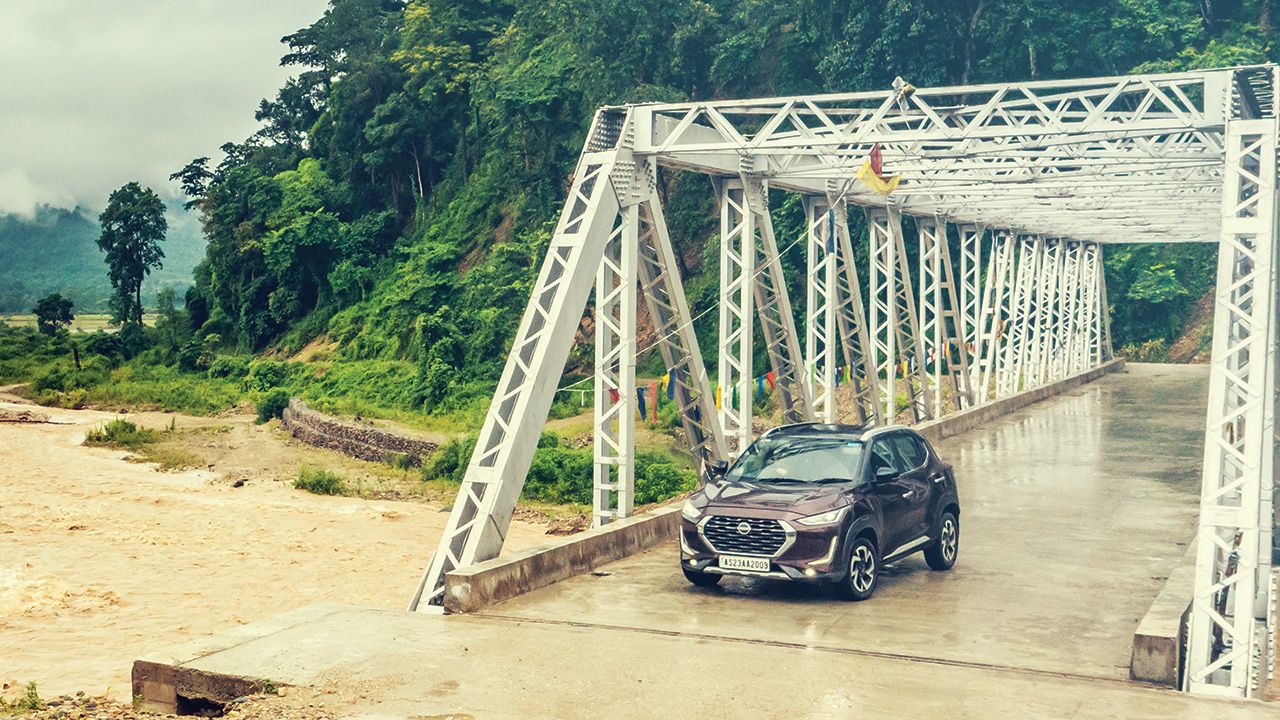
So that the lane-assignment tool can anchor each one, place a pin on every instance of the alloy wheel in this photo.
(862, 569)
(950, 540)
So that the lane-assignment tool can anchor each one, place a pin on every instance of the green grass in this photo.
(121, 434)
(29, 702)
(320, 481)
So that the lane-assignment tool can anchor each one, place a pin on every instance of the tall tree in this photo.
(133, 225)
(53, 313)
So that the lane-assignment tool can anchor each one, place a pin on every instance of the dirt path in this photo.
(103, 559)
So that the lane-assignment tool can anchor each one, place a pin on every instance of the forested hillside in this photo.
(400, 193)
(386, 222)
(55, 250)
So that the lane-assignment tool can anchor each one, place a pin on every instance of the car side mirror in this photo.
(717, 468)
(885, 473)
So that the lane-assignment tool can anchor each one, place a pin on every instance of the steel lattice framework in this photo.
(1022, 184)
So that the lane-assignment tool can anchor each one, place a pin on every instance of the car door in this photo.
(917, 487)
(891, 491)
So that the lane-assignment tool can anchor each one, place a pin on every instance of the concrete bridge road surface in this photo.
(1074, 511)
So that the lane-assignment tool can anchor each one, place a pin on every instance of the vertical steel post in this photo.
(613, 474)
(820, 306)
(971, 294)
(1239, 430)
(687, 382)
(737, 282)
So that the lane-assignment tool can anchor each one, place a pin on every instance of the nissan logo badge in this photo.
(744, 528)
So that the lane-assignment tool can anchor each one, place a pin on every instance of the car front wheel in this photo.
(859, 583)
(941, 554)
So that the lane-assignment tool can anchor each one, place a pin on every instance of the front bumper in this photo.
(808, 554)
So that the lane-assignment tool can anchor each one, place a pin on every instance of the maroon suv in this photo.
(823, 503)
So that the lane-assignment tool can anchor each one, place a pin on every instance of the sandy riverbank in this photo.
(102, 559)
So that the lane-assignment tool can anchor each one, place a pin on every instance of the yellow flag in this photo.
(882, 185)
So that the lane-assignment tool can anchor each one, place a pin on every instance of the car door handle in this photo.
(908, 493)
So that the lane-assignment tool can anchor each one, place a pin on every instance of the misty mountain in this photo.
(55, 250)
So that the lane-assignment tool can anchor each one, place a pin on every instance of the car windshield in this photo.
(798, 460)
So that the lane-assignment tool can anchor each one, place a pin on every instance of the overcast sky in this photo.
(95, 93)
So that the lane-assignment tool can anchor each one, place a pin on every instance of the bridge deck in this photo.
(1074, 511)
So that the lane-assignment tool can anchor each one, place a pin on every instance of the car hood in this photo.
(801, 499)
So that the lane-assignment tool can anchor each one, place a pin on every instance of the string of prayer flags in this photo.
(640, 404)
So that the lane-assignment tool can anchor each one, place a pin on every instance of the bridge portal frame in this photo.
(1050, 170)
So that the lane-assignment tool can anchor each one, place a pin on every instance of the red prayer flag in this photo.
(877, 160)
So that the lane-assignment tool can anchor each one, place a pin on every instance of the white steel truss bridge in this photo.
(1023, 183)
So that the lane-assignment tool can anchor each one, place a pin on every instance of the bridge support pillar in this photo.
(1231, 558)
(895, 326)
(820, 306)
(613, 473)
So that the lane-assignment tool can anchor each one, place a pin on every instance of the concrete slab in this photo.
(1074, 511)
(1157, 643)
(384, 664)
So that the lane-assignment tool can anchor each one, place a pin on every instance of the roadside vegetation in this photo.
(371, 247)
(162, 448)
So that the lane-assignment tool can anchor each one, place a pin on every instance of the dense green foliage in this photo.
(400, 193)
(53, 313)
(390, 215)
(120, 433)
(133, 226)
(563, 474)
(320, 481)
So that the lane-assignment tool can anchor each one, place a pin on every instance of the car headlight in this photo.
(826, 518)
(691, 512)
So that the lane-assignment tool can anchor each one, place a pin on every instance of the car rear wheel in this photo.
(701, 579)
(941, 554)
(859, 583)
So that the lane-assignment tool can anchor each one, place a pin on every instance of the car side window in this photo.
(912, 452)
(882, 456)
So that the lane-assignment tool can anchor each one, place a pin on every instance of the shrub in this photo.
(1154, 351)
(658, 478)
(320, 481)
(271, 404)
(266, 374)
(449, 461)
(122, 434)
(229, 366)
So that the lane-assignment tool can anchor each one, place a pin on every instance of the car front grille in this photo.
(763, 537)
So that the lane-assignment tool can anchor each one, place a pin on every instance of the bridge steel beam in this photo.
(504, 450)
(820, 341)
(946, 358)
(895, 327)
(851, 320)
(614, 446)
(737, 297)
(773, 307)
(971, 289)
(668, 307)
(994, 313)
(1239, 431)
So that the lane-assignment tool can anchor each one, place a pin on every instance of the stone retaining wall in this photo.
(358, 441)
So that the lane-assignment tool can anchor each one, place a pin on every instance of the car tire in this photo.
(701, 579)
(862, 573)
(941, 553)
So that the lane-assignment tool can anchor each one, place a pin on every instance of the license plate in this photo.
(737, 562)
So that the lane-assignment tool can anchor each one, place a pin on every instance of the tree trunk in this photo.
(75, 354)
(968, 41)
(417, 164)
(137, 304)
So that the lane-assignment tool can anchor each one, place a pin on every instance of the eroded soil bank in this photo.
(102, 559)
